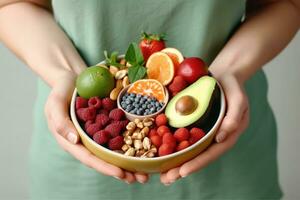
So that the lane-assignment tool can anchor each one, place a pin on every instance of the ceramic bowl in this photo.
(156, 164)
(130, 116)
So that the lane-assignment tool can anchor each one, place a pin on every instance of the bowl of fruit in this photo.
(147, 111)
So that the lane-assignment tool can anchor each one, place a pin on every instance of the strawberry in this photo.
(161, 119)
(168, 138)
(162, 130)
(182, 145)
(156, 140)
(196, 134)
(151, 43)
(116, 143)
(165, 149)
(182, 134)
(152, 132)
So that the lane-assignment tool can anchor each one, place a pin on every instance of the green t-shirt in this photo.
(197, 28)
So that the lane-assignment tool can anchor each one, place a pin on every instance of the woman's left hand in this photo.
(234, 123)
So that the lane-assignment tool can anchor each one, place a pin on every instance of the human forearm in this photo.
(265, 32)
(32, 34)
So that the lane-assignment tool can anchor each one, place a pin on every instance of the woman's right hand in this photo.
(59, 123)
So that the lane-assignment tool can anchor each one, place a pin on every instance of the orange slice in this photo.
(160, 67)
(149, 87)
(175, 55)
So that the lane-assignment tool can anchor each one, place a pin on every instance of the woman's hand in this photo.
(57, 114)
(234, 123)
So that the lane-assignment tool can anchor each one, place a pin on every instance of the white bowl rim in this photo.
(166, 157)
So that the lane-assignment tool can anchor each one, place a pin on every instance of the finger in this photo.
(164, 180)
(214, 151)
(236, 105)
(173, 175)
(129, 177)
(88, 159)
(141, 177)
(60, 118)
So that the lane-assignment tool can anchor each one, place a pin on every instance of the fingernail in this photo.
(117, 177)
(220, 137)
(183, 176)
(167, 184)
(127, 182)
(72, 137)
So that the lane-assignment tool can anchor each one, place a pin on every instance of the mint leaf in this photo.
(112, 59)
(134, 55)
(136, 72)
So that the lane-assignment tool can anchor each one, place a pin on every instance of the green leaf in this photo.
(136, 72)
(134, 55)
(112, 59)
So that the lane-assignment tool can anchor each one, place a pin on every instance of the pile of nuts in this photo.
(121, 77)
(136, 141)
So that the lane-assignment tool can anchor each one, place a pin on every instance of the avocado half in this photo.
(205, 92)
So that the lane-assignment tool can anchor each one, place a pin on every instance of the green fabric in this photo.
(197, 28)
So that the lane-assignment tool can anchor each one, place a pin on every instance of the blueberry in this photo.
(158, 109)
(162, 104)
(123, 104)
(147, 110)
(156, 104)
(144, 106)
(149, 106)
(128, 102)
(124, 98)
(152, 109)
(138, 112)
(142, 100)
(139, 95)
(146, 113)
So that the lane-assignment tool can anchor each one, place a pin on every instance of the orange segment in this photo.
(149, 87)
(160, 67)
(175, 55)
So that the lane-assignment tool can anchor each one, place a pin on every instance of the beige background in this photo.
(17, 86)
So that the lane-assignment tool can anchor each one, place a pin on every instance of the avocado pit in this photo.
(186, 105)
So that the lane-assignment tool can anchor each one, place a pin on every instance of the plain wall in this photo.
(17, 86)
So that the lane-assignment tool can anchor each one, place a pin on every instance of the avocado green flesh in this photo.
(202, 90)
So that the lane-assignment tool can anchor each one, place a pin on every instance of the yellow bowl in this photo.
(149, 165)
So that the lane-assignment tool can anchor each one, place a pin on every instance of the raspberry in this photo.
(156, 140)
(114, 129)
(85, 114)
(93, 128)
(102, 119)
(177, 84)
(162, 130)
(168, 138)
(196, 134)
(182, 134)
(86, 124)
(116, 114)
(81, 102)
(116, 143)
(122, 123)
(165, 149)
(95, 102)
(101, 137)
(108, 104)
(182, 145)
(152, 132)
(161, 119)
(103, 111)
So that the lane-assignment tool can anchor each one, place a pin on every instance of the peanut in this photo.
(130, 152)
(131, 126)
(138, 144)
(121, 74)
(119, 84)
(128, 140)
(125, 81)
(113, 70)
(147, 143)
(114, 93)
(125, 147)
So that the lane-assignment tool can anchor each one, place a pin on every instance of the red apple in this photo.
(192, 69)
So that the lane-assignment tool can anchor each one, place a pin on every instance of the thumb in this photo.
(61, 120)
